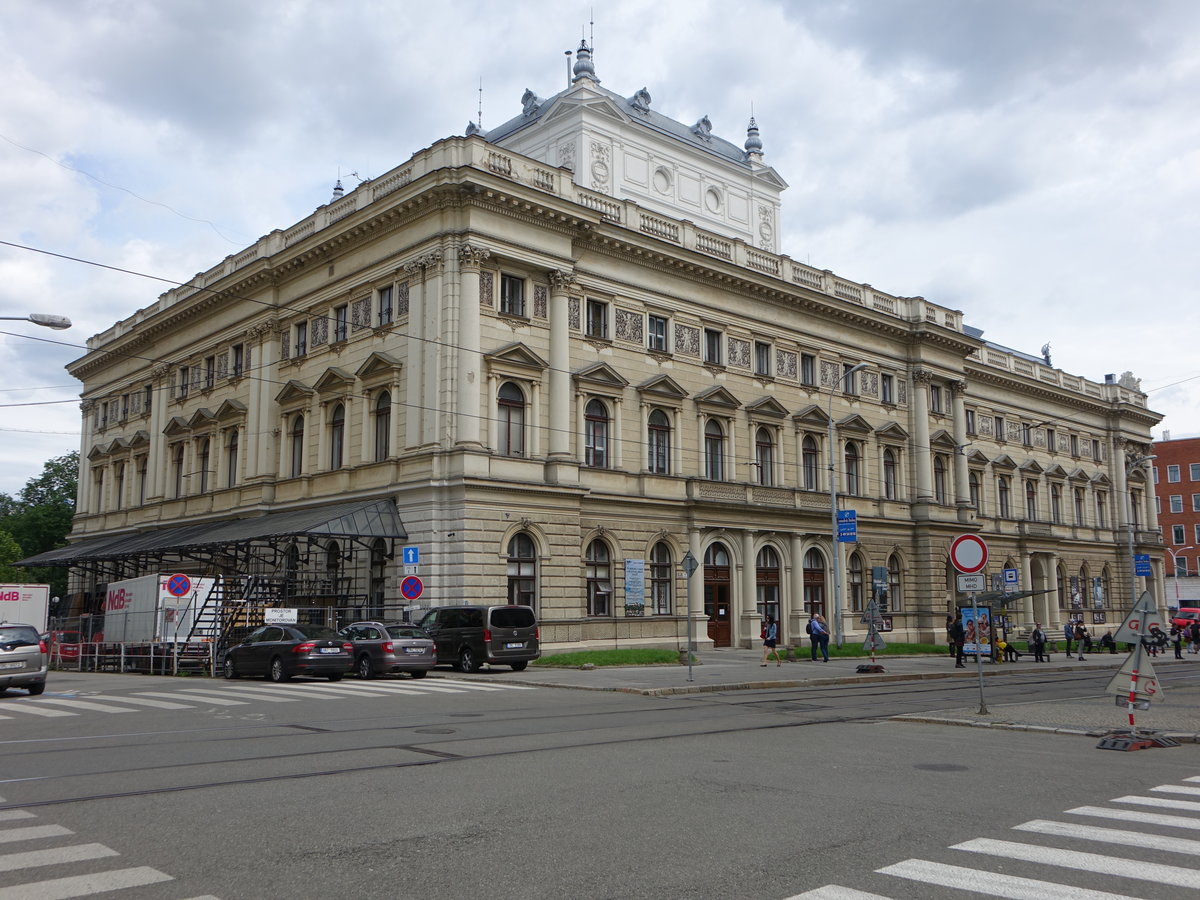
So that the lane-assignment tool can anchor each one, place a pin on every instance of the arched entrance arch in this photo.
(716, 594)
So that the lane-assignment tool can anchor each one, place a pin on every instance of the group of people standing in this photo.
(818, 635)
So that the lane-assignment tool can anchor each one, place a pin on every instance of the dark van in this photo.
(468, 636)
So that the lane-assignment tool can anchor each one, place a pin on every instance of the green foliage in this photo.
(39, 519)
(853, 648)
(10, 552)
(631, 657)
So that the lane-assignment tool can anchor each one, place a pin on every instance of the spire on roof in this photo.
(753, 141)
(338, 193)
(583, 64)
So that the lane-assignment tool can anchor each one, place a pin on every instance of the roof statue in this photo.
(703, 129)
(530, 102)
(472, 128)
(641, 101)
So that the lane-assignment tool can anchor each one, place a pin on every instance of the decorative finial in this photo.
(753, 141)
(583, 63)
(338, 192)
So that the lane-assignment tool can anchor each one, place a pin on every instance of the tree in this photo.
(10, 552)
(39, 518)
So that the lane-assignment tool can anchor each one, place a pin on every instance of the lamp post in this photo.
(1175, 568)
(833, 511)
(43, 319)
(1131, 463)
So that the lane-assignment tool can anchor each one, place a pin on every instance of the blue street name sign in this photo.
(847, 526)
(1141, 564)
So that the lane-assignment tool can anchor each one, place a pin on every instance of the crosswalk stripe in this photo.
(204, 693)
(156, 704)
(298, 689)
(836, 892)
(992, 884)
(1136, 815)
(80, 703)
(1077, 859)
(1193, 778)
(29, 707)
(494, 687)
(1177, 789)
(83, 885)
(1111, 836)
(30, 859)
(9, 815)
(32, 833)
(1163, 802)
(215, 700)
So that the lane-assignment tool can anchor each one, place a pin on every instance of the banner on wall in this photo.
(635, 587)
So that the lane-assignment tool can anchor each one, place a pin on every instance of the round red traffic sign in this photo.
(411, 587)
(178, 585)
(969, 553)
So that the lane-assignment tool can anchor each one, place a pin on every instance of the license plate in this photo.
(331, 649)
(16, 665)
(415, 651)
(514, 645)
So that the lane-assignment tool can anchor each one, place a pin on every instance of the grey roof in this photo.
(359, 519)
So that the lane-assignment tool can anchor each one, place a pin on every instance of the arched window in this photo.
(714, 451)
(383, 426)
(177, 470)
(1031, 511)
(119, 486)
(205, 458)
(814, 582)
(1056, 503)
(891, 601)
(658, 430)
(661, 572)
(1002, 495)
(1101, 509)
(231, 458)
(767, 582)
(976, 495)
(297, 437)
(889, 473)
(810, 460)
(511, 406)
(854, 582)
(939, 479)
(852, 471)
(1135, 506)
(142, 472)
(337, 437)
(1078, 506)
(764, 456)
(522, 571)
(595, 435)
(598, 571)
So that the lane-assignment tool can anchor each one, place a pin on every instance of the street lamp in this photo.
(1131, 463)
(833, 511)
(46, 321)
(1175, 568)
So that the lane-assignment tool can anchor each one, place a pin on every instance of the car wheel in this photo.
(418, 673)
(365, 669)
(467, 661)
(277, 672)
(334, 676)
(230, 668)
(519, 666)
(35, 689)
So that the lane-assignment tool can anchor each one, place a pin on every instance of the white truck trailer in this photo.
(28, 604)
(156, 608)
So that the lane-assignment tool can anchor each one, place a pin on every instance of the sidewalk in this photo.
(1178, 714)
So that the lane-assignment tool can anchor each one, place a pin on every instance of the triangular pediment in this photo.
(378, 363)
(978, 457)
(517, 354)
(1056, 471)
(854, 423)
(231, 409)
(1078, 475)
(582, 101)
(717, 396)
(294, 392)
(1032, 467)
(1100, 478)
(334, 380)
(1004, 461)
(891, 431)
(663, 386)
(813, 414)
(943, 440)
(201, 417)
(601, 375)
(767, 406)
(99, 451)
(177, 425)
(141, 438)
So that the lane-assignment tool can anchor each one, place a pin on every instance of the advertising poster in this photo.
(635, 587)
(978, 630)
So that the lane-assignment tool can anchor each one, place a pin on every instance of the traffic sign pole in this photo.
(969, 554)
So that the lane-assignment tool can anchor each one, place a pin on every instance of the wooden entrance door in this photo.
(716, 605)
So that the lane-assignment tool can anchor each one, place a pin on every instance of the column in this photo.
(414, 361)
(795, 593)
(470, 354)
(746, 605)
(962, 488)
(561, 281)
(696, 586)
(922, 454)
(262, 418)
(431, 347)
(1051, 602)
(158, 463)
(1027, 584)
(83, 490)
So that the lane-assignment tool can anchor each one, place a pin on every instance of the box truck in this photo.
(157, 608)
(28, 604)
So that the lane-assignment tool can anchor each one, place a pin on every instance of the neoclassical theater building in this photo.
(557, 357)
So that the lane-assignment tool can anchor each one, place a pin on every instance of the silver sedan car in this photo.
(24, 658)
(381, 648)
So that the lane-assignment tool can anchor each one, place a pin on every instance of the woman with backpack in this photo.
(770, 639)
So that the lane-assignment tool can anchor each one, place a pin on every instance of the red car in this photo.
(63, 644)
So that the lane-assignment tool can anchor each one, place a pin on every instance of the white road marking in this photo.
(80, 703)
(205, 692)
(83, 885)
(992, 884)
(27, 706)
(1161, 802)
(11, 862)
(156, 704)
(1136, 815)
(1088, 862)
(32, 833)
(8, 815)
(836, 892)
(206, 699)
(1177, 789)
(1111, 836)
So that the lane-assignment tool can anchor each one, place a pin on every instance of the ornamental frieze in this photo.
(739, 353)
(360, 314)
(540, 292)
(629, 326)
(687, 340)
(487, 289)
(785, 364)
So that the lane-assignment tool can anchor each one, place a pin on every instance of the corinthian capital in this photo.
(562, 279)
(472, 257)
(957, 388)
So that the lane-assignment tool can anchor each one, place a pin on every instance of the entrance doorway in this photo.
(716, 595)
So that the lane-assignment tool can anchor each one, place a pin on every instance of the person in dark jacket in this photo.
(770, 634)
(1037, 643)
(959, 636)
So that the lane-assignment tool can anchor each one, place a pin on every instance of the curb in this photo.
(1184, 737)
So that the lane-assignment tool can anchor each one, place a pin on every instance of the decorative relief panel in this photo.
(402, 299)
(902, 392)
(318, 331)
(831, 374)
(566, 155)
(687, 340)
(601, 166)
(1064, 443)
(785, 364)
(487, 289)
(869, 384)
(223, 365)
(629, 326)
(360, 314)
(573, 313)
(985, 426)
(1012, 432)
(285, 346)
(739, 353)
(246, 364)
(1039, 438)
(540, 292)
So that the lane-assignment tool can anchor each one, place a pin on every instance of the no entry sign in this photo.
(969, 553)
(411, 587)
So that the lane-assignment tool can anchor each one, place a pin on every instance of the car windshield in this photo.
(13, 636)
(513, 617)
(318, 633)
(406, 631)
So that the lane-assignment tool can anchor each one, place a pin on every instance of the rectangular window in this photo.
(1177, 503)
(1026, 435)
(124, 407)
(849, 379)
(210, 372)
(1196, 539)
(147, 398)
(596, 319)
(656, 333)
(512, 295)
(1172, 474)
(970, 421)
(808, 368)
(301, 339)
(340, 322)
(1074, 445)
(237, 359)
(385, 305)
(184, 381)
(999, 422)
(1194, 471)
(762, 358)
(1177, 534)
(887, 392)
(935, 398)
(712, 346)
(1195, 502)
(1051, 440)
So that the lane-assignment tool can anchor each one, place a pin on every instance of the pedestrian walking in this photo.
(1177, 641)
(1037, 642)
(950, 633)
(959, 636)
(1080, 638)
(1194, 631)
(819, 633)
(1068, 633)
(770, 636)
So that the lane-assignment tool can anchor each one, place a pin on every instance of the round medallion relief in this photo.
(712, 200)
(662, 181)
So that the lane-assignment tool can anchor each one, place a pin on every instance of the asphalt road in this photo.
(454, 788)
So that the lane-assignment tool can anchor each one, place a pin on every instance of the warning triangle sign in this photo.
(874, 641)
(1148, 687)
(1141, 618)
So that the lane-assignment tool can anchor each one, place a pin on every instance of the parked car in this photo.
(468, 636)
(63, 644)
(24, 659)
(1185, 617)
(280, 651)
(380, 648)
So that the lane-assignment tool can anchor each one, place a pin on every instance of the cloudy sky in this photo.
(1034, 163)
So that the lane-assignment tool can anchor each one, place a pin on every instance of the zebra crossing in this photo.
(228, 694)
(1050, 868)
(24, 855)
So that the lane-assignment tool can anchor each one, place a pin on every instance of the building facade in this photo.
(1177, 501)
(569, 352)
